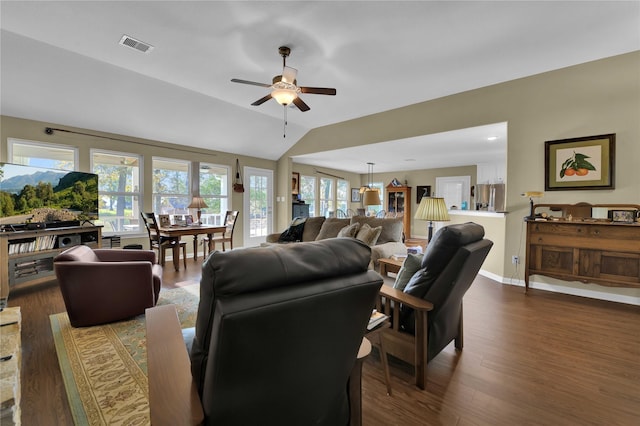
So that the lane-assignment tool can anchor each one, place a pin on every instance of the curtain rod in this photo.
(328, 174)
(50, 130)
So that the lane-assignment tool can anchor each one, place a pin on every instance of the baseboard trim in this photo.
(582, 292)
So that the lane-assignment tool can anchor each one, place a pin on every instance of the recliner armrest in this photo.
(406, 299)
(173, 398)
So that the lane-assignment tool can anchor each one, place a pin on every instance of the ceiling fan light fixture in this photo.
(284, 96)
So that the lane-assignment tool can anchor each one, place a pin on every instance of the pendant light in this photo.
(371, 195)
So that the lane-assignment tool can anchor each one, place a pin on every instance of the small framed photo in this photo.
(295, 183)
(355, 195)
(188, 219)
(622, 216)
(422, 191)
(164, 220)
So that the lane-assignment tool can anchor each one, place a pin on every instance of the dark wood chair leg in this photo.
(421, 349)
(459, 341)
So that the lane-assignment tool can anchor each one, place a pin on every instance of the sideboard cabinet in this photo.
(586, 250)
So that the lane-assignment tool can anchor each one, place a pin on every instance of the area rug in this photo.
(104, 368)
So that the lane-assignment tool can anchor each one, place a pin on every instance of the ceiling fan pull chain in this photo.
(284, 127)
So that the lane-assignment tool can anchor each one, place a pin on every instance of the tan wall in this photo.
(494, 229)
(589, 99)
(11, 127)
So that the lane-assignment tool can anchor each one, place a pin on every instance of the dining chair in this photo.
(160, 243)
(230, 219)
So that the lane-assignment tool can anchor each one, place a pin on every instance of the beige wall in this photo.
(11, 127)
(590, 99)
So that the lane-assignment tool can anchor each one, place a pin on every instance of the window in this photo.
(342, 193)
(214, 189)
(119, 189)
(40, 154)
(171, 183)
(327, 207)
(374, 209)
(308, 192)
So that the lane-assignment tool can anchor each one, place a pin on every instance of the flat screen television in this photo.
(31, 194)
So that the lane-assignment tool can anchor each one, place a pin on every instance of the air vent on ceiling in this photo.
(136, 44)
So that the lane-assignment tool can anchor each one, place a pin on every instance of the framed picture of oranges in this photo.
(580, 163)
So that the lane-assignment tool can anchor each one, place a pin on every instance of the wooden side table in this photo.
(376, 334)
(389, 265)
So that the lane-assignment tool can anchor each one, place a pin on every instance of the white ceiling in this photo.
(61, 63)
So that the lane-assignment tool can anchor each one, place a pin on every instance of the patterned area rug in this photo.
(105, 367)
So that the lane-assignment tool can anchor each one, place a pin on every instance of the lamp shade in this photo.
(371, 197)
(533, 194)
(197, 203)
(432, 209)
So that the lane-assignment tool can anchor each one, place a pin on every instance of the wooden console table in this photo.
(584, 249)
(26, 256)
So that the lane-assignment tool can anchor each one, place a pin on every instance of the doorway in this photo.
(258, 205)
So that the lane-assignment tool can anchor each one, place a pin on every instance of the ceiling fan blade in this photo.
(318, 90)
(301, 105)
(262, 100)
(235, 80)
(289, 75)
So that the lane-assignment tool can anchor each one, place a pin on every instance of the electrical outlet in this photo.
(515, 260)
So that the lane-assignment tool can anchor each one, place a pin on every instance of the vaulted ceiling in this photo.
(61, 62)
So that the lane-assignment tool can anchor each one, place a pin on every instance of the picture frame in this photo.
(580, 163)
(295, 183)
(179, 220)
(355, 195)
(164, 220)
(188, 219)
(623, 216)
(422, 191)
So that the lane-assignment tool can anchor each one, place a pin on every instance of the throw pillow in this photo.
(330, 228)
(410, 266)
(294, 232)
(349, 231)
(369, 235)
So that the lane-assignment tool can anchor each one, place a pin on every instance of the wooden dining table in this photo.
(179, 231)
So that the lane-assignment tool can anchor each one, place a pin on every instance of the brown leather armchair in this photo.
(427, 314)
(101, 285)
(276, 340)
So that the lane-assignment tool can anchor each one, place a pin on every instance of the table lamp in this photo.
(432, 209)
(198, 203)
(532, 195)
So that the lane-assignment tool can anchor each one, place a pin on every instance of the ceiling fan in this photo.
(284, 88)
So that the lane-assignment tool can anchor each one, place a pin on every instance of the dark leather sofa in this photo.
(104, 285)
(277, 333)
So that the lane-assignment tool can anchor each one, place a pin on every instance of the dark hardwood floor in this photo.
(536, 359)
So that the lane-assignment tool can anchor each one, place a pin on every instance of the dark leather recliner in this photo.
(429, 316)
(106, 285)
(277, 334)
